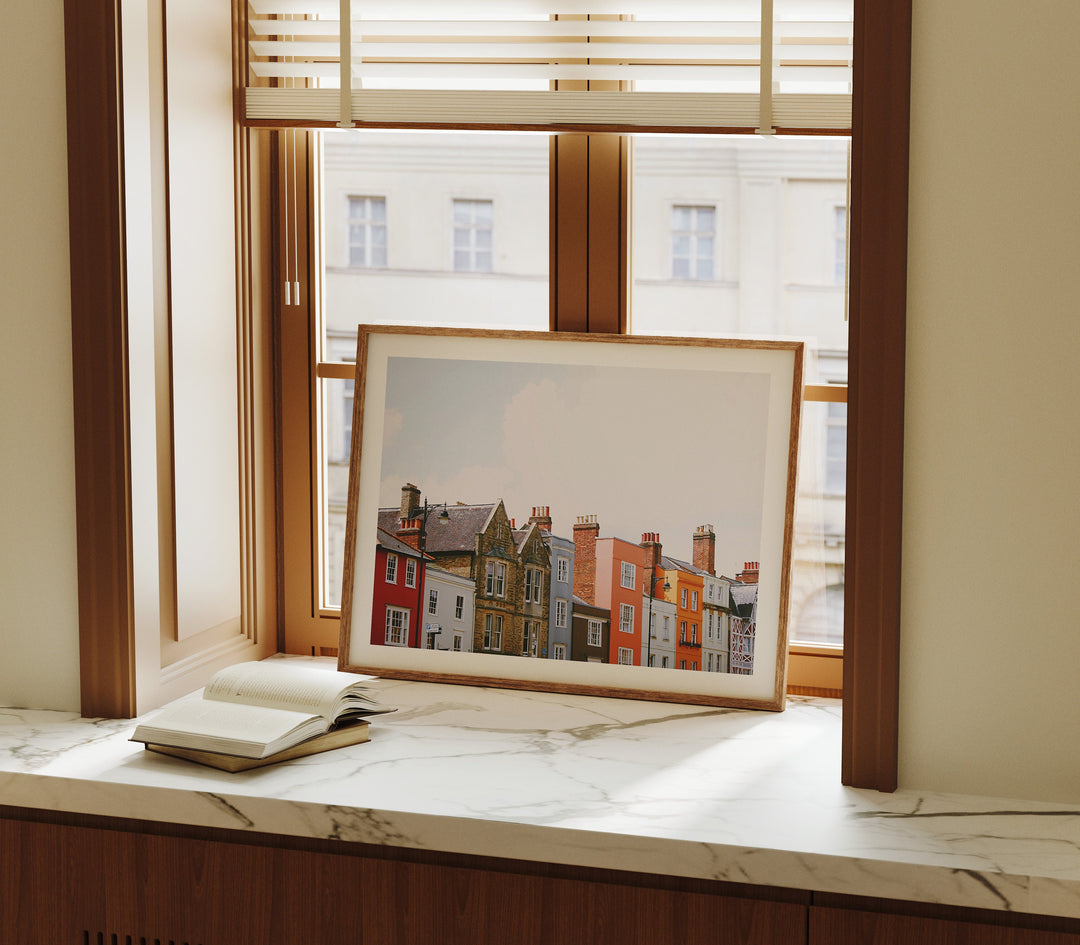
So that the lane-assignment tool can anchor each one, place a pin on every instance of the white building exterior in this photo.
(716, 625)
(660, 646)
(447, 618)
(731, 236)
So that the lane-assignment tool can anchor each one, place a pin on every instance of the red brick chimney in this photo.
(410, 501)
(705, 549)
(650, 541)
(541, 515)
(749, 573)
(410, 532)
(586, 531)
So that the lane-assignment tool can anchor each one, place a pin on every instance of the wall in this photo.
(990, 647)
(38, 588)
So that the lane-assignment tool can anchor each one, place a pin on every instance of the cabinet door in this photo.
(849, 927)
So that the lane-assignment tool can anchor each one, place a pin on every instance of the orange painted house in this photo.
(608, 574)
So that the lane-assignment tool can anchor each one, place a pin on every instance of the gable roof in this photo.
(744, 598)
(674, 564)
(457, 534)
(386, 540)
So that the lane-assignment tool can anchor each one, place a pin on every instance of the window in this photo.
(533, 582)
(496, 633)
(663, 662)
(682, 631)
(694, 201)
(347, 393)
(667, 627)
(487, 631)
(652, 659)
(596, 633)
(410, 572)
(397, 626)
(562, 569)
(526, 633)
(472, 235)
(626, 656)
(836, 449)
(708, 662)
(432, 601)
(457, 642)
(682, 664)
(626, 618)
(391, 569)
(840, 244)
(367, 232)
(692, 240)
(495, 579)
(628, 575)
(560, 612)
(558, 651)
(693, 633)
(693, 600)
(459, 607)
(682, 598)
(693, 666)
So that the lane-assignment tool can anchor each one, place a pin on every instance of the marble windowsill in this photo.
(747, 797)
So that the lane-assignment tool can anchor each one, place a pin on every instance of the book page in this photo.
(217, 726)
(279, 685)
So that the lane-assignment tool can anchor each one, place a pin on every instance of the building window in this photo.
(391, 569)
(457, 641)
(487, 631)
(347, 392)
(682, 631)
(840, 244)
(459, 607)
(652, 659)
(683, 598)
(667, 627)
(397, 626)
(693, 633)
(533, 583)
(410, 572)
(495, 579)
(432, 601)
(525, 634)
(652, 625)
(562, 570)
(708, 662)
(626, 656)
(472, 235)
(682, 664)
(596, 629)
(693, 666)
(626, 618)
(628, 575)
(692, 239)
(558, 652)
(693, 600)
(663, 662)
(367, 232)
(496, 633)
(560, 613)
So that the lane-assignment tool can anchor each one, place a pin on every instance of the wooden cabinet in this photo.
(75, 883)
(63, 884)
(856, 927)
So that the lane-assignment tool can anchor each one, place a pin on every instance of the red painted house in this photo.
(396, 590)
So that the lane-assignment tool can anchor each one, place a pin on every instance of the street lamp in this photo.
(444, 517)
(653, 578)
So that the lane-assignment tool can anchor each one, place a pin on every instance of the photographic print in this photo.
(602, 514)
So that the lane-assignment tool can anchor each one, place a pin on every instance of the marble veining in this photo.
(748, 797)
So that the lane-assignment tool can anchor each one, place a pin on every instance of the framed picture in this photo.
(600, 514)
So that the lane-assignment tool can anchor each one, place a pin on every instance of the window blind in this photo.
(631, 64)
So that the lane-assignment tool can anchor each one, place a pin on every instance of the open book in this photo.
(255, 710)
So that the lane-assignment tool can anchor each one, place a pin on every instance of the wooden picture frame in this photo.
(689, 443)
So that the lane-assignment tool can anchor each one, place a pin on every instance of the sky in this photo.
(645, 450)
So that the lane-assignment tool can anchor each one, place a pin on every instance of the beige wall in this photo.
(991, 645)
(38, 593)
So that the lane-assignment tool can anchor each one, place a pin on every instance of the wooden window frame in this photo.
(588, 293)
